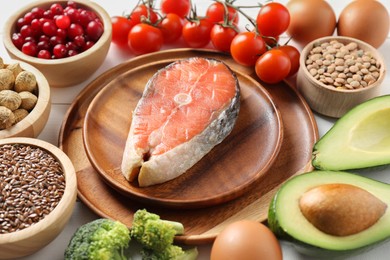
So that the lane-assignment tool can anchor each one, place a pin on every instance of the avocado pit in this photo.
(341, 209)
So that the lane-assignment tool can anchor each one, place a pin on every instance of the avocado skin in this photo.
(312, 249)
(339, 148)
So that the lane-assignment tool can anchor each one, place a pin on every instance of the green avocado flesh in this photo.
(359, 139)
(286, 220)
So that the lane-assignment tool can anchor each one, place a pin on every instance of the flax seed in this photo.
(32, 183)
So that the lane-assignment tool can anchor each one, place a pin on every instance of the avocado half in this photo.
(287, 221)
(359, 139)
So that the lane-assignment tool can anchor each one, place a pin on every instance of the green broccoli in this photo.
(172, 252)
(101, 239)
(153, 232)
(156, 237)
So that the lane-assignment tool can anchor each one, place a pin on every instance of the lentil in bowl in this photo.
(360, 70)
(38, 193)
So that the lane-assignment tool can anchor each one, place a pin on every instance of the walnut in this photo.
(10, 99)
(7, 118)
(7, 79)
(25, 81)
(29, 100)
(20, 114)
(15, 68)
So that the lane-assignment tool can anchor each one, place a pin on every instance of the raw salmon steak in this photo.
(186, 109)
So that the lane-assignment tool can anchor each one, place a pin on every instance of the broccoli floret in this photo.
(152, 232)
(172, 252)
(156, 237)
(101, 239)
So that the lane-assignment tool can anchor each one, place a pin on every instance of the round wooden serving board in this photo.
(203, 224)
(225, 173)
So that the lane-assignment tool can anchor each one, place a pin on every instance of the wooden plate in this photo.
(223, 174)
(202, 225)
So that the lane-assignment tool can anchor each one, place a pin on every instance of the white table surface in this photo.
(62, 98)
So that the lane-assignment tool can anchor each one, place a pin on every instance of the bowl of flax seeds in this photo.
(38, 190)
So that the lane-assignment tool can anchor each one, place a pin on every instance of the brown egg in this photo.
(366, 20)
(246, 239)
(310, 20)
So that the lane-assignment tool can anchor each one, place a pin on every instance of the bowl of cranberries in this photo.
(66, 40)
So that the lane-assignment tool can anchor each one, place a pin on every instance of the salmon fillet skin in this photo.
(186, 109)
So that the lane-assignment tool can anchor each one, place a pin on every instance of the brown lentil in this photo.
(342, 66)
(32, 183)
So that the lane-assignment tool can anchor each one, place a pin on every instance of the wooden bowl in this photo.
(328, 100)
(30, 239)
(66, 71)
(33, 124)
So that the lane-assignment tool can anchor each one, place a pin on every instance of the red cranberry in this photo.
(56, 8)
(17, 40)
(30, 48)
(43, 45)
(88, 45)
(30, 39)
(36, 25)
(44, 54)
(73, 14)
(79, 41)
(94, 30)
(49, 28)
(62, 21)
(20, 22)
(86, 17)
(48, 14)
(54, 40)
(44, 37)
(29, 16)
(75, 30)
(38, 11)
(59, 51)
(71, 4)
(62, 33)
(72, 53)
(71, 46)
(26, 31)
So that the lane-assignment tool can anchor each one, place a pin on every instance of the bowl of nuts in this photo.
(24, 100)
(38, 190)
(66, 40)
(337, 73)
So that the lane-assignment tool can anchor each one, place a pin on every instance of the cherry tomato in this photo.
(143, 11)
(171, 27)
(179, 7)
(294, 55)
(273, 19)
(222, 36)
(197, 34)
(273, 66)
(145, 38)
(246, 47)
(216, 13)
(121, 27)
